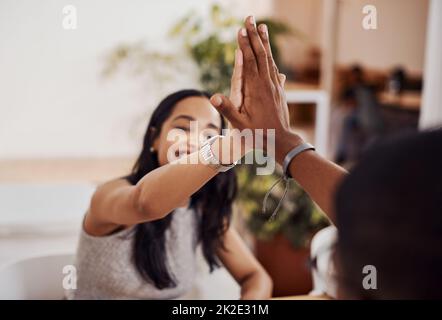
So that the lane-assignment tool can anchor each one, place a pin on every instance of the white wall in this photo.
(399, 39)
(53, 102)
(304, 16)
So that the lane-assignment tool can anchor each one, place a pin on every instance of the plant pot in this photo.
(286, 265)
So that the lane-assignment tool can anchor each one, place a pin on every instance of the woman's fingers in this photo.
(264, 35)
(282, 78)
(227, 109)
(236, 82)
(257, 46)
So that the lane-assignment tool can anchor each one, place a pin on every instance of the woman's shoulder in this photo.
(94, 222)
(113, 184)
(106, 188)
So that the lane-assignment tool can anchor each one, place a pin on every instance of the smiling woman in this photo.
(141, 231)
(185, 130)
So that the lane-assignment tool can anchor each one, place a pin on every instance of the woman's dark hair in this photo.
(389, 215)
(212, 204)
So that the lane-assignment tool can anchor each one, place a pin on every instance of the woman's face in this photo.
(194, 113)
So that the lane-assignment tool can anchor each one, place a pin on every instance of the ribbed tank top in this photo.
(105, 267)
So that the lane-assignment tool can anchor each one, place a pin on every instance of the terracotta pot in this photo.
(288, 266)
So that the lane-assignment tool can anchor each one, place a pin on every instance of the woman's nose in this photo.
(192, 147)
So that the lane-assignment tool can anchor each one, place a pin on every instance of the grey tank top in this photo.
(105, 267)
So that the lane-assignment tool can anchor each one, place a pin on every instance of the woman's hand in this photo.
(233, 145)
(236, 81)
(242, 265)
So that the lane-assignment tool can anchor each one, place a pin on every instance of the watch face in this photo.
(206, 152)
(212, 161)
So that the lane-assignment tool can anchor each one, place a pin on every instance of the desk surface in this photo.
(301, 86)
(408, 100)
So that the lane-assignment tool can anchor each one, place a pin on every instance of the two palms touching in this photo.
(257, 99)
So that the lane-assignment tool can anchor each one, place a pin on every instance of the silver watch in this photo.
(210, 159)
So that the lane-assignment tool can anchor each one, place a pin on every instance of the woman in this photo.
(140, 233)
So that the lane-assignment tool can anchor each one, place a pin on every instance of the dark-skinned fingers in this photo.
(257, 46)
(227, 109)
(264, 35)
(250, 67)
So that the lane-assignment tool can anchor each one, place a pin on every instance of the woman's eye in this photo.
(182, 128)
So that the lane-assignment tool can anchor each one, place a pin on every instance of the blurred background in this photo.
(74, 105)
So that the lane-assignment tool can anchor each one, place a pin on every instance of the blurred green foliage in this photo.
(212, 43)
(298, 218)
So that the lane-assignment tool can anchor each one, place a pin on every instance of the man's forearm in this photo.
(317, 176)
